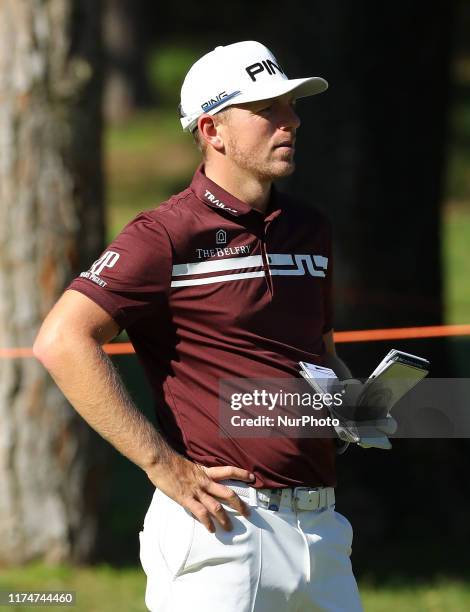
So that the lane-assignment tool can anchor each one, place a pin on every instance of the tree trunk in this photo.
(51, 223)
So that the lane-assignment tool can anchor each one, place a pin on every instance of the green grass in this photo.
(456, 262)
(106, 589)
(440, 596)
(458, 171)
(456, 217)
(147, 159)
(98, 589)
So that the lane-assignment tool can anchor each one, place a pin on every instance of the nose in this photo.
(289, 117)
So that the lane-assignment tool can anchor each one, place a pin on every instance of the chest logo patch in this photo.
(221, 237)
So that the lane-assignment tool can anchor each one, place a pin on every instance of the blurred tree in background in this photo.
(126, 49)
(51, 223)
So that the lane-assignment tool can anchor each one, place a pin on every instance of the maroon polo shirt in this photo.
(209, 288)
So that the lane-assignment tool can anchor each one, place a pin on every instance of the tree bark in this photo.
(51, 223)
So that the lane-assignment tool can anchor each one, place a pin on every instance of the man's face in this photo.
(259, 137)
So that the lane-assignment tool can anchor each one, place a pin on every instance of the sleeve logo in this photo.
(107, 260)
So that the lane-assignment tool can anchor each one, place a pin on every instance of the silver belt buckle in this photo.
(308, 499)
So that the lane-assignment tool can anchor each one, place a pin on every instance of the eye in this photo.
(266, 109)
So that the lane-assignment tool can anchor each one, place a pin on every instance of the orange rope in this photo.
(365, 335)
(395, 333)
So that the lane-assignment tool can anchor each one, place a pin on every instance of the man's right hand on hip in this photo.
(196, 488)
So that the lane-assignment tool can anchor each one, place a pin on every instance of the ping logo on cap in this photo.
(219, 99)
(266, 64)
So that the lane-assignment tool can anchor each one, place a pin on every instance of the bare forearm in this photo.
(88, 379)
(69, 344)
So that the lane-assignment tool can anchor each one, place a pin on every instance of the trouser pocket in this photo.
(166, 537)
(221, 547)
(347, 529)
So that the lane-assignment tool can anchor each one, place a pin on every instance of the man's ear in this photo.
(209, 131)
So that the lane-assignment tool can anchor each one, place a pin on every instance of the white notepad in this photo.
(396, 374)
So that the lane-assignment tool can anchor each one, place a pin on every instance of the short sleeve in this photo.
(328, 285)
(132, 277)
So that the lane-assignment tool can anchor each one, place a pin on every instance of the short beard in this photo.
(250, 162)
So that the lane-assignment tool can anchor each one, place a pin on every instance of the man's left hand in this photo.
(373, 432)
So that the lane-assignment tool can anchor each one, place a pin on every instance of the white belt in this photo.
(294, 498)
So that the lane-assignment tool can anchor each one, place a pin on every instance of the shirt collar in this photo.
(214, 196)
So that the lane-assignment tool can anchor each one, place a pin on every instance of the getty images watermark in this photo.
(276, 400)
(435, 408)
(271, 407)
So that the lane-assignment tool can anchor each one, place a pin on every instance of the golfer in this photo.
(229, 279)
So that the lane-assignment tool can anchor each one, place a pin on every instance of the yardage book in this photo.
(396, 374)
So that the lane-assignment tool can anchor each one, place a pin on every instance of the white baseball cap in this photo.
(242, 72)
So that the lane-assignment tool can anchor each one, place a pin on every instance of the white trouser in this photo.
(273, 561)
